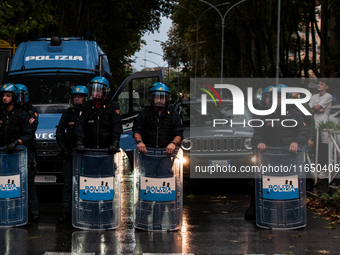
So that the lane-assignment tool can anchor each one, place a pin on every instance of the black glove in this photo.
(11, 147)
(114, 148)
(80, 147)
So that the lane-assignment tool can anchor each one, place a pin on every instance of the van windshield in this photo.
(47, 89)
(51, 108)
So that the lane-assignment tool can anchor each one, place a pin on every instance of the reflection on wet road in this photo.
(213, 223)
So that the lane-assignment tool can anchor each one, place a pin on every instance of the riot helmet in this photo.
(99, 88)
(279, 86)
(24, 94)
(78, 92)
(159, 95)
(10, 88)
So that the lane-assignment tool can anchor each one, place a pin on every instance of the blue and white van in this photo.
(50, 68)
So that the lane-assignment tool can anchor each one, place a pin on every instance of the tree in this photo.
(251, 36)
(117, 25)
(18, 17)
(329, 35)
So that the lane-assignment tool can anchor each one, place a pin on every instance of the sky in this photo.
(154, 47)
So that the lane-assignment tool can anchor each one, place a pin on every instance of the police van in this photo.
(51, 68)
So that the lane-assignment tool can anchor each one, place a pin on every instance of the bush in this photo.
(329, 125)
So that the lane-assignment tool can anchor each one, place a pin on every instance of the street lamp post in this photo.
(223, 24)
(145, 58)
(278, 41)
(197, 21)
(154, 63)
(179, 54)
(163, 65)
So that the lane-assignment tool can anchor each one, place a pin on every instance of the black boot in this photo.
(309, 184)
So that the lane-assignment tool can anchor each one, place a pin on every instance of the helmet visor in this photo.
(160, 99)
(22, 97)
(98, 91)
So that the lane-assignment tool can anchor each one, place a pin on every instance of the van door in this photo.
(132, 97)
(5, 54)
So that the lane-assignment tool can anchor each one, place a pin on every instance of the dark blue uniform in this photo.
(66, 141)
(157, 131)
(33, 206)
(99, 128)
(14, 126)
(139, 125)
(274, 134)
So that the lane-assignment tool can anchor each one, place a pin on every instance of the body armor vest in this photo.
(276, 134)
(98, 129)
(10, 126)
(157, 132)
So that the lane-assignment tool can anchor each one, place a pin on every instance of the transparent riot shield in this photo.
(13, 187)
(280, 189)
(96, 189)
(158, 190)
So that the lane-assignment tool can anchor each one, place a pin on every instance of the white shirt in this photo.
(326, 102)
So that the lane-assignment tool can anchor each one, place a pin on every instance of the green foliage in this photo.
(250, 38)
(331, 125)
(171, 80)
(22, 16)
(117, 25)
(335, 197)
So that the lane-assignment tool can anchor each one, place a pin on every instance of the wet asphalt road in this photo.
(213, 223)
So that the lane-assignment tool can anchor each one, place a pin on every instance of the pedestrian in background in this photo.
(66, 140)
(321, 104)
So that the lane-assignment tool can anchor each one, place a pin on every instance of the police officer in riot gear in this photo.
(66, 140)
(33, 115)
(14, 124)
(266, 103)
(274, 134)
(157, 126)
(99, 124)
